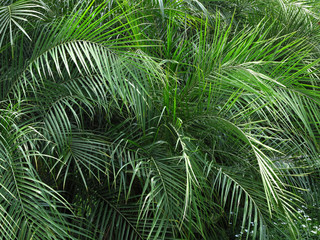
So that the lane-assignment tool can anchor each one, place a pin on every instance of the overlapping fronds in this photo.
(156, 119)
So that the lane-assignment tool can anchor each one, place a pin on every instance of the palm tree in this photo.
(157, 119)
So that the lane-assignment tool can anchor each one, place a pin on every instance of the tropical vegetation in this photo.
(184, 119)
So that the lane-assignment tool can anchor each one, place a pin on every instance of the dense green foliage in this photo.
(182, 119)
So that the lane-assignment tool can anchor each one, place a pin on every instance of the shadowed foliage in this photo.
(160, 119)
